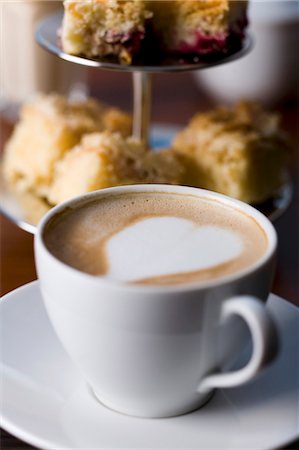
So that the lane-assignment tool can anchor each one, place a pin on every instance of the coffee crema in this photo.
(156, 238)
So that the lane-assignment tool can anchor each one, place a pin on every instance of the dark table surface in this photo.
(175, 99)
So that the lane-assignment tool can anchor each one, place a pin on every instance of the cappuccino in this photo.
(156, 238)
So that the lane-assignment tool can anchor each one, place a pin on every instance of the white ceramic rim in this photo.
(262, 220)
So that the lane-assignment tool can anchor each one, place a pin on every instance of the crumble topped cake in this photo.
(106, 159)
(104, 27)
(199, 27)
(240, 152)
(48, 128)
(129, 29)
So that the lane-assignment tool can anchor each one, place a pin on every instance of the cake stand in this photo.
(47, 36)
(18, 208)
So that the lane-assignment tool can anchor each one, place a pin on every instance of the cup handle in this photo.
(264, 338)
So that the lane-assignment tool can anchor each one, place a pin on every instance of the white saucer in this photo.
(46, 403)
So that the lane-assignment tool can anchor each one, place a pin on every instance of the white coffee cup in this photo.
(155, 351)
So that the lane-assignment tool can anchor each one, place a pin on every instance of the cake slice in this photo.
(199, 27)
(48, 128)
(103, 160)
(99, 28)
(240, 152)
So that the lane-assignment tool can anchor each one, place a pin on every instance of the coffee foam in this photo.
(160, 246)
(156, 238)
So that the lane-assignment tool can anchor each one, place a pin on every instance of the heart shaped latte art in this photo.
(160, 246)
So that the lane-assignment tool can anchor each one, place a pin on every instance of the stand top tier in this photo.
(47, 37)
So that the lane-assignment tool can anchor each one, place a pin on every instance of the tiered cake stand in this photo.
(47, 37)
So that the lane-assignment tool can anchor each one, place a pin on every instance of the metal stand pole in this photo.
(142, 84)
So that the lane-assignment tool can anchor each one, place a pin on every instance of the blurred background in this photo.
(269, 74)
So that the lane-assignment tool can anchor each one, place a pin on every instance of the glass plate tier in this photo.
(47, 35)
